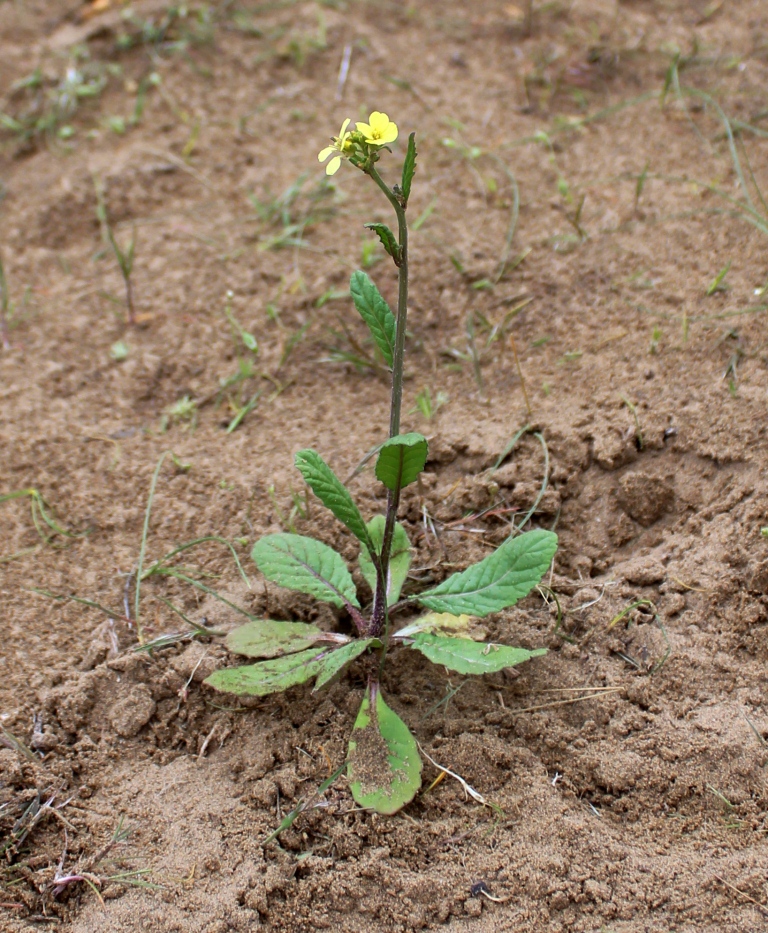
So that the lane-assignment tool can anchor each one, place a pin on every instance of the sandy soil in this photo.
(627, 767)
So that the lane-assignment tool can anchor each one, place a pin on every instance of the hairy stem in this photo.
(379, 615)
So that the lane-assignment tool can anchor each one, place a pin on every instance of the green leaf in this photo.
(471, 657)
(331, 492)
(436, 623)
(409, 167)
(401, 459)
(265, 638)
(399, 560)
(304, 564)
(384, 765)
(388, 240)
(375, 312)
(498, 581)
(337, 660)
(267, 677)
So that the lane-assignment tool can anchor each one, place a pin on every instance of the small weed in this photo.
(332, 294)
(370, 254)
(173, 30)
(184, 411)
(653, 347)
(344, 347)
(728, 808)
(299, 508)
(246, 338)
(242, 411)
(162, 567)
(31, 815)
(97, 870)
(487, 186)
(479, 326)
(39, 106)
(43, 517)
(294, 211)
(719, 284)
(640, 186)
(426, 405)
(124, 257)
(290, 342)
(638, 431)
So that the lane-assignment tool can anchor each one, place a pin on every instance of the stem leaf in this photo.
(401, 459)
(335, 662)
(388, 240)
(498, 581)
(376, 313)
(437, 623)
(470, 657)
(267, 677)
(384, 765)
(265, 638)
(399, 560)
(304, 564)
(331, 492)
(409, 168)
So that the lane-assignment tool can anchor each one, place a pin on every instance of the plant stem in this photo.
(379, 615)
(129, 300)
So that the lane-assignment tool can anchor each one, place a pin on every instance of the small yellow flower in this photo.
(379, 130)
(339, 145)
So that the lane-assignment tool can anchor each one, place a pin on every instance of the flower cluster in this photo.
(359, 144)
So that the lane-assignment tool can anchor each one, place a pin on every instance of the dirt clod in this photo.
(645, 497)
(132, 710)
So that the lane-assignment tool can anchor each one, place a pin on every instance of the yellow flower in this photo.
(339, 145)
(379, 130)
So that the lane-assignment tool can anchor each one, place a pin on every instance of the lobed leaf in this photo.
(376, 313)
(471, 657)
(409, 168)
(401, 459)
(399, 560)
(384, 765)
(266, 638)
(331, 492)
(304, 564)
(498, 581)
(267, 677)
(388, 240)
(337, 660)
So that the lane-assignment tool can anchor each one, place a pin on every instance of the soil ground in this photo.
(627, 767)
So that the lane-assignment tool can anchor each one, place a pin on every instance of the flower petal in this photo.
(389, 133)
(333, 166)
(323, 155)
(378, 120)
(344, 126)
(365, 129)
